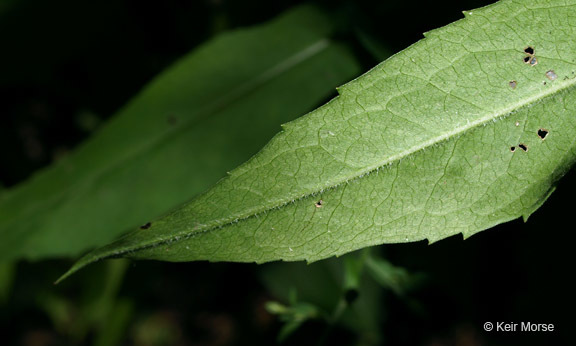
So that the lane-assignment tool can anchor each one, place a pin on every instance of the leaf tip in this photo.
(81, 263)
(65, 275)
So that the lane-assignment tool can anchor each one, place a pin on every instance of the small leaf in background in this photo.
(326, 286)
(113, 330)
(204, 115)
(99, 311)
(397, 279)
(372, 45)
(293, 316)
(431, 143)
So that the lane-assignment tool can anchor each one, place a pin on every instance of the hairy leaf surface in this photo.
(206, 114)
(443, 138)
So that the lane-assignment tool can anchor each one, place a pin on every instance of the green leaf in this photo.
(206, 114)
(417, 148)
(325, 285)
(372, 45)
(397, 279)
(293, 316)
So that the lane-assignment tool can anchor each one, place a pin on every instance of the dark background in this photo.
(66, 66)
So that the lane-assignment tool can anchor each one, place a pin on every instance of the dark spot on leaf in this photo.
(351, 295)
(543, 83)
(529, 50)
(146, 226)
(512, 148)
(319, 204)
(530, 60)
(550, 74)
(542, 133)
(523, 146)
(513, 84)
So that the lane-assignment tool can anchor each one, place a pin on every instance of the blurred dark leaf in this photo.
(397, 279)
(206, 114)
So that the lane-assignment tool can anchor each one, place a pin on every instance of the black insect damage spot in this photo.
(523, 146)
(146, 226)
(512, 148)
(319, 204)
(530, 60)
(542, 133)
(513, 84)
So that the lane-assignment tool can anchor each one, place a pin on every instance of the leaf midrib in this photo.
(254, 212)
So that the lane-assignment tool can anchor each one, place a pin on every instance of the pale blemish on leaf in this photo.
(513, 84)
(530, 60)
(550, 74)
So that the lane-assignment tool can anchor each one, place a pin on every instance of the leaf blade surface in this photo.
(418, 148)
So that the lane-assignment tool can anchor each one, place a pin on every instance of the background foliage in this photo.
(68, 66)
